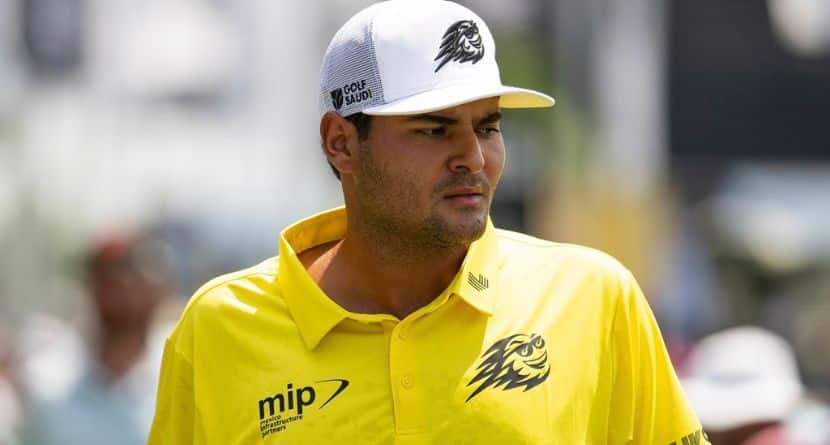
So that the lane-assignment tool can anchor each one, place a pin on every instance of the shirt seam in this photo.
(182, 355)
(233, 277)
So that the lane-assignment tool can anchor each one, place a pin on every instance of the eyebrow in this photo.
(490, 118)
(434, 118)
(444, 120)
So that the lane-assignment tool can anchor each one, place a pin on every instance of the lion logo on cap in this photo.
(461, 43)
(520, 360)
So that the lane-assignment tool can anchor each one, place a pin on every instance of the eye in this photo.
(435, 132)
(488, 131)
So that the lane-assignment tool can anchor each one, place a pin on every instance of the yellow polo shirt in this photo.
(533, 342)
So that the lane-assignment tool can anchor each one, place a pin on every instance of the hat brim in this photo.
(722, 407)
(454, 95)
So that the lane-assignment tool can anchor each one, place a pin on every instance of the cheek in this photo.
(414, 163)
(392, 175)
(494, 162)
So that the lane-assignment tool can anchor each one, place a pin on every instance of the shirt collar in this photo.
(316, 314)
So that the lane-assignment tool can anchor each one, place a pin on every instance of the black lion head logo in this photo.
(512, 362)
(461, 43)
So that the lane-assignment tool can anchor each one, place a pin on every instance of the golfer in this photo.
(405, 317)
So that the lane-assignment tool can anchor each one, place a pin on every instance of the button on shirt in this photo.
(532, 342)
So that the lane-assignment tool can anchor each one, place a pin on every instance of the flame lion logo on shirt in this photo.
(461, 43)
(519, 360)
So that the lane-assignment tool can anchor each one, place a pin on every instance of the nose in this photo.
(467, 156)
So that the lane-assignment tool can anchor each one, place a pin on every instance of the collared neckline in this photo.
(316, 314)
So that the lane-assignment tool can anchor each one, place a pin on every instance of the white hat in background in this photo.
(408, 57)
(742, 376)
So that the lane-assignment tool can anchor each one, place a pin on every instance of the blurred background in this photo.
(148, 146)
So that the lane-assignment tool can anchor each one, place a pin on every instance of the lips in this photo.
(463, 191)
(465, 197)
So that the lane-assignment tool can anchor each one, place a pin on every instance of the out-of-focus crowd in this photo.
(63, 384)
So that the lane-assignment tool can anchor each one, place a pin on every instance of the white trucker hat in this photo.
(741, 376)
(402, 57)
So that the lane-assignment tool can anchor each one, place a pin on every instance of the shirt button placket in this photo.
(402, 362)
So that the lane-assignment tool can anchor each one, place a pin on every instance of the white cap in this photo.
(741, 376)
(415, 56)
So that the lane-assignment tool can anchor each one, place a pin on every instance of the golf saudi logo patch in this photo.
(517, 361)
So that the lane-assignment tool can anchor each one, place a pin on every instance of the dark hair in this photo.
(362, 123)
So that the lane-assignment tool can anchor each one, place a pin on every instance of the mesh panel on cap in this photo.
(350, 80)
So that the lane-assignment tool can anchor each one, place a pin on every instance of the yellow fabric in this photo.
(533, 342)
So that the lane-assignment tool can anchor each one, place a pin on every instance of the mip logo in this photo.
(281, 409)
(337, 98)
(519, 360)
(461, 43)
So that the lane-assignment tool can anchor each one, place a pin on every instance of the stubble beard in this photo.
(391, 224)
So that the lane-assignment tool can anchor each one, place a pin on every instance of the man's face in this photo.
(125, 292)
(431, 177)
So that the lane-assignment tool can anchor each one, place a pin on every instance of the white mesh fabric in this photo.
(384, 60)
(349, 78)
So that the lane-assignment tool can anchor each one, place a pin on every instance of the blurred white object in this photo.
(802, 25)
(52, 353)
(810, 424)
(742, 376)
(162, 48)
(776, 215)
(11, 415)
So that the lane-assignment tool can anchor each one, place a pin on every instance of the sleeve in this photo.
(648, 405)
(174, 417)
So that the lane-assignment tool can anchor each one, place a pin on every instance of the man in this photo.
(745, 385)
(406, 317)
(113, 400)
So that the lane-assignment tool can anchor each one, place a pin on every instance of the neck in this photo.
(120, 350)
(370, 272)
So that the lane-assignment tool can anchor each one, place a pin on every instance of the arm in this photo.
(175, 411)
(648, 405)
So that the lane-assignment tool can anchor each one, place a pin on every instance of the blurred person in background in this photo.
(744, 384)
(113, 400)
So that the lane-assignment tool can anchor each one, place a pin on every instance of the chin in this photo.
(463, 230)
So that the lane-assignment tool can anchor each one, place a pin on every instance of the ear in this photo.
(340, 141)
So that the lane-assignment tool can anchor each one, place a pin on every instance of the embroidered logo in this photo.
(461, 43)
(693, 438)
(520, 360)
(479, 282)
(337, 98)
(350, 94)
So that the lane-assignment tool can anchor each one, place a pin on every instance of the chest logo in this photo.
(517, 361)
(461, 43)
(278, 411)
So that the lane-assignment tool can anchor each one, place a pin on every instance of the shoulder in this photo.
(252, 279)
(232, 295)
(529, 251)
